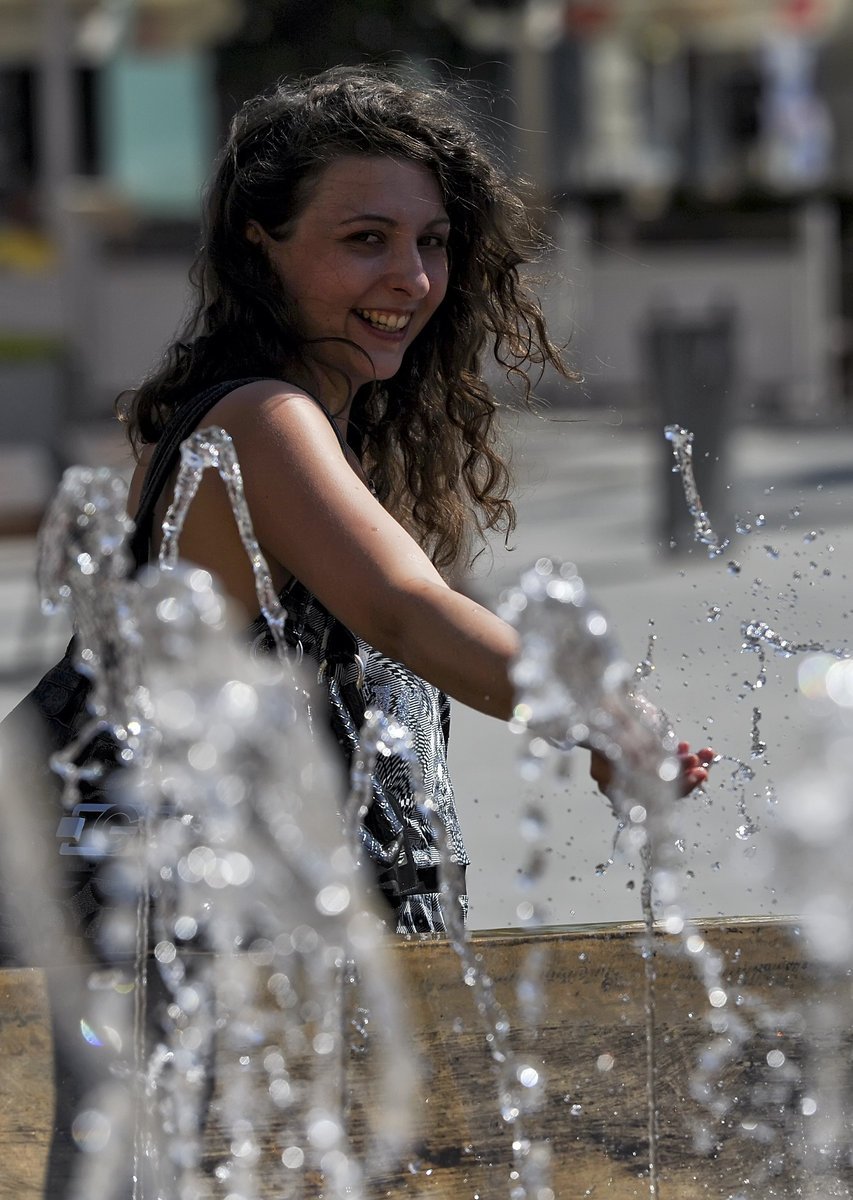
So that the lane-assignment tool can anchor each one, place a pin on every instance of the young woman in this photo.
(360, 258)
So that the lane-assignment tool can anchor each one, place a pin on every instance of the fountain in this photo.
(561, 1062)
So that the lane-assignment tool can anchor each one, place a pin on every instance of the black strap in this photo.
(179, 428)
(181, 425)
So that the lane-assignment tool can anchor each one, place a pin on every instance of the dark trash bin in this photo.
(691, 375)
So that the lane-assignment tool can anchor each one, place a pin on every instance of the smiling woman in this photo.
(361, 254)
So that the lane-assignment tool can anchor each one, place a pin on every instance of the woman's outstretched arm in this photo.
(315, 518)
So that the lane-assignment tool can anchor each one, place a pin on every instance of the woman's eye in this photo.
(369, 236)
(436, 241)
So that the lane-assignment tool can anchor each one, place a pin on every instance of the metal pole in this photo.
(59, 138)
(58, 117)
(532, 83)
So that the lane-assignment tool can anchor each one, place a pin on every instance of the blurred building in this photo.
(694, 159)
(697, 159)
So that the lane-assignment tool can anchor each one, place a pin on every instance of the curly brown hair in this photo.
(427, 436)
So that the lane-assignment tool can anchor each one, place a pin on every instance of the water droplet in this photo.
(333, 899)
(89, 1034)
(91, 1130)
(324, 1133)
(165, 952)
(528, 1077)
(293, 1157)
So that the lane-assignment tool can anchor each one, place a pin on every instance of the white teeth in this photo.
(382, 320)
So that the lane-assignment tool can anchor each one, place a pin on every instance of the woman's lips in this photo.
(381, 321)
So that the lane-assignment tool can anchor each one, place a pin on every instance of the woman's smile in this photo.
(387, 322)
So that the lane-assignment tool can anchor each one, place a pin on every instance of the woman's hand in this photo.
(694, 768)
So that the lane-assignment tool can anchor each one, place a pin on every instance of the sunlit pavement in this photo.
(591, 493)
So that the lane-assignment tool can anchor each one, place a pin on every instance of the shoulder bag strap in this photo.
(181, 425)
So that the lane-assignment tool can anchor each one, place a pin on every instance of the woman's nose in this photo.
(408, 273)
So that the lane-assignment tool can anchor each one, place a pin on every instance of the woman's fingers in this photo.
(694, 767)
(600, 769)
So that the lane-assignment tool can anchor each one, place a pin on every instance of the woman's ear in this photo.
(254, 233)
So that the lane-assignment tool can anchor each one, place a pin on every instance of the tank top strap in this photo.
(177, 429)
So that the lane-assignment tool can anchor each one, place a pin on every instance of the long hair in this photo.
(427, 436)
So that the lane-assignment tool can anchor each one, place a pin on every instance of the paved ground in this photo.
(590, 493)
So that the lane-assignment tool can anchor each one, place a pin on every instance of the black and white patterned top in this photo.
(407, 876)
(358, 678)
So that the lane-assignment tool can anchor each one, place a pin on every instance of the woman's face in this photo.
(366, 261)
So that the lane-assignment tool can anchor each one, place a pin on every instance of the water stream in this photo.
(573, 687)
(238, 867)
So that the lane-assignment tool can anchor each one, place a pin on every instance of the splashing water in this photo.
(646, 666)
(682, 449)
(83, 563)
(252, 893)
(250, 855)
(758, 634)
(809, 844)
(785, 1107)
(758, 748)
(214, 448)
(520, 1085)
(573, 687)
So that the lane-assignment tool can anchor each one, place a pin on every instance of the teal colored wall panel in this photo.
(157, 129)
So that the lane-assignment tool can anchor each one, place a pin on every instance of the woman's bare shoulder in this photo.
(265, 403)
(273, 423)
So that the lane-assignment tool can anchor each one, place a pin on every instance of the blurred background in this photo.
(692, 163)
